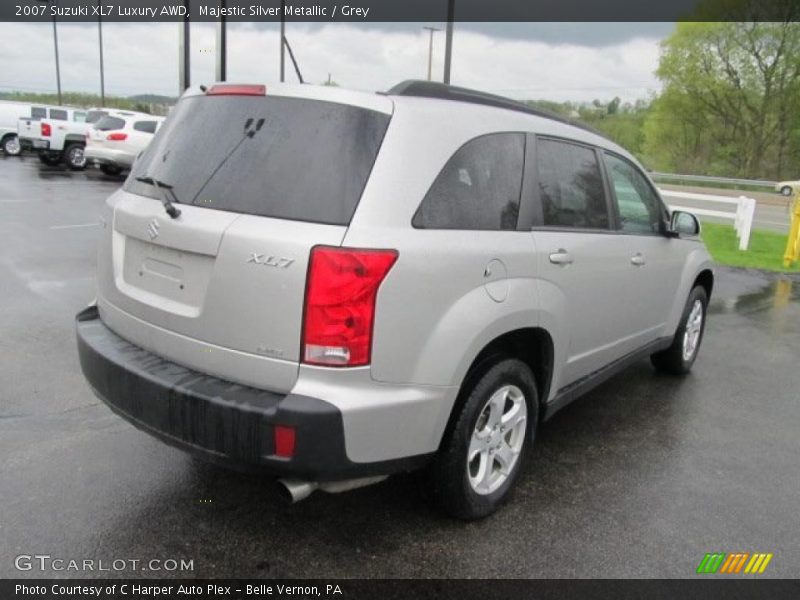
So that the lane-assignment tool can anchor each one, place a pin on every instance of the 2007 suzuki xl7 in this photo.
(335, 286)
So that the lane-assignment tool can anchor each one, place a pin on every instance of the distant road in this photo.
(772, 209)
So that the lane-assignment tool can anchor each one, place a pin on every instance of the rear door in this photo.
(584, 265)
(260, 181)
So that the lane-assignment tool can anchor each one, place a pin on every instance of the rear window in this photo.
(93, 116)
(109, 123)
(79, 117)
(38, 113)
(287, 158)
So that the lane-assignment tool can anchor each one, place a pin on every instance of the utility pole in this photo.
(430, 48)
(448, 43)
(184, 58)
(222, 46)
(283, 38)
(55, 46)
(102, 74)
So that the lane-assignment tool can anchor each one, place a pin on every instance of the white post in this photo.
(747, 222)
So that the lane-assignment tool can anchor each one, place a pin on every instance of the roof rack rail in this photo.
(443, 91)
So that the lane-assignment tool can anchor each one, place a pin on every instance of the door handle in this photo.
(561, 257)
(638, 260)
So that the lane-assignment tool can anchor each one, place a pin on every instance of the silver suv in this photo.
(334, 286)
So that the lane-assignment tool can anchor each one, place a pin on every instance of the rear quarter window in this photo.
(145, 126)
(479, 187)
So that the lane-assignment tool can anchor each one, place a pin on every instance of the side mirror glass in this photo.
(684, 223)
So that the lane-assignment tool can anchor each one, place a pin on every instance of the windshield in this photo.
(287, 158)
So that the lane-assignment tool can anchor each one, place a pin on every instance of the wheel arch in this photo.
(705, 278)
(531, 345)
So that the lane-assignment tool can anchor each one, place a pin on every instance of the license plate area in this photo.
(172, 280)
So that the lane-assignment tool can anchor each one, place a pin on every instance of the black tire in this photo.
(450, 470)
(111, 170)
(11, 145)
(49, 159)
(673, 360)
(786, 190)
(74, 157)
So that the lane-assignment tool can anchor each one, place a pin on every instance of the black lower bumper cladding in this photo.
(224, 422)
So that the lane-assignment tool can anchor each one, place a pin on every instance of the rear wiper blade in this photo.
(171, 209)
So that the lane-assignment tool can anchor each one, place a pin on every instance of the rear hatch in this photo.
(98, 134)
(260, 180)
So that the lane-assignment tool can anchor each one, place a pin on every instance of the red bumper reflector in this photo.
(284, 441)
(237, 90)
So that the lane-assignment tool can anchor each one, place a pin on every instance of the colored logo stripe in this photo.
(721, 562)
(758, 563)
(711, 562)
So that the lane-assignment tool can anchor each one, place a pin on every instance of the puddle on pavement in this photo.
(773, 296)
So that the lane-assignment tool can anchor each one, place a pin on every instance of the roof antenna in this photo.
(294, 62)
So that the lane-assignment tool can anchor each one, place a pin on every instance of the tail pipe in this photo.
(295, 490)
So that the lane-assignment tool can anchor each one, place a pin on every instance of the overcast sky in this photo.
(554, 61)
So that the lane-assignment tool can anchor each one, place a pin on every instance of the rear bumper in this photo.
(224, 422)
(31, 143)
(108, 156)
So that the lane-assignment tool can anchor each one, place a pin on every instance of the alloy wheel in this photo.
(497, 439)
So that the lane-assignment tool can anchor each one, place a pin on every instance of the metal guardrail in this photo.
(742, 218)
(709, 179)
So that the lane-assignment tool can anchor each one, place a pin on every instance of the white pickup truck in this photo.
(60, 136)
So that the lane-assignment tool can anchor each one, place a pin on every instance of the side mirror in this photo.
(684, 223)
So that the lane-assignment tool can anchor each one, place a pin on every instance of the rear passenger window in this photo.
(58, 115)
(570, 186)
(145, 126)
(478, 188)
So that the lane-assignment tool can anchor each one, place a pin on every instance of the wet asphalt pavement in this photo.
(640, 478)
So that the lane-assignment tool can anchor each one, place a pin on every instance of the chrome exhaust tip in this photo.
(294, 490)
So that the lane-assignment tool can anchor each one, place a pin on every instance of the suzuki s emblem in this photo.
(152, 229)
(279, 262)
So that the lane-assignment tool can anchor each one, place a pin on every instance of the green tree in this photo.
(730, 100)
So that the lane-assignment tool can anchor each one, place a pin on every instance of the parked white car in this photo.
(10, 113)
(59, 134)
(118, 138)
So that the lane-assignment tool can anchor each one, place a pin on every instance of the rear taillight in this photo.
(46, 131)
(339, 312)
(237, 90)
(117, 137)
